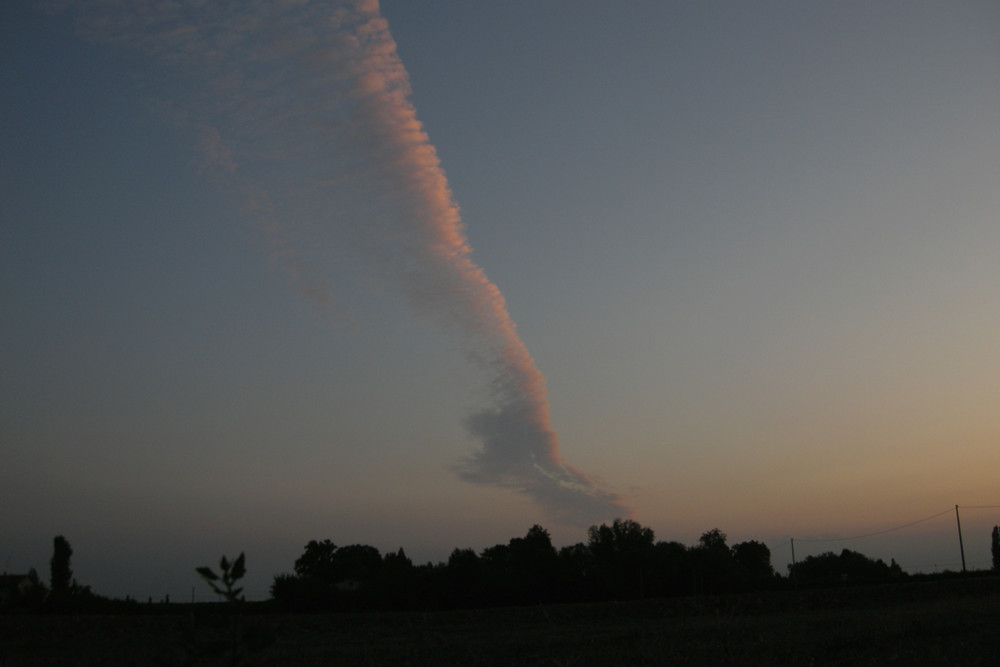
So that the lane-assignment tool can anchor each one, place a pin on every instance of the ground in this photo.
(941, 622)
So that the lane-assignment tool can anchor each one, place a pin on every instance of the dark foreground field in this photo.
(950, 622)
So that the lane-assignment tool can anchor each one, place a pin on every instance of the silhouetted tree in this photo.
(622, 537)
(395, 584)
(317, 561)
(847, 567)
(670, 570)
(713, 540)
(753, 564)
(713, 564)
(576, 573)
(622, 553)
(525, 570)
(464, 577)
(60, 573)
(328, 576)
(620, 560)
(397, 561)
(497, 577)
(534, 566)
(357, 564)
(995, 548)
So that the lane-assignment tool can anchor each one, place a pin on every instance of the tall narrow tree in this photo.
(60, 572)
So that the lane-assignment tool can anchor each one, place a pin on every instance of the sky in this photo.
(422, 275)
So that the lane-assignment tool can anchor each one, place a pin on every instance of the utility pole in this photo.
(792, 540)
(961, 547)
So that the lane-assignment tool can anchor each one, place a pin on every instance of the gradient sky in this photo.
(751, 247)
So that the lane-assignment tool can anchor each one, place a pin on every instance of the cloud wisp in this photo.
(304, 110)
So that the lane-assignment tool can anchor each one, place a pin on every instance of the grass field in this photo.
(939, 622)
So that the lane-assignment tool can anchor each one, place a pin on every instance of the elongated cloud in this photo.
(305, 109)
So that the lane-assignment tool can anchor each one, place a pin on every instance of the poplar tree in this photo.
(60, 572)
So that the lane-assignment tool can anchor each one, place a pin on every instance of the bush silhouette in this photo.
(847, 567)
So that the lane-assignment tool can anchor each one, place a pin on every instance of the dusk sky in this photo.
(750, 249)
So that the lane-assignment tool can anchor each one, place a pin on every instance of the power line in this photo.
(791, 541)
(881, 532)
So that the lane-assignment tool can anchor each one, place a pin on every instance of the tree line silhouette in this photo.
(620, 561)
